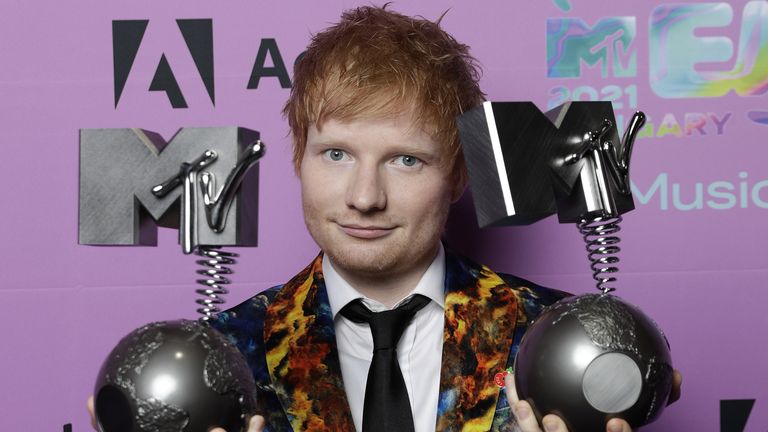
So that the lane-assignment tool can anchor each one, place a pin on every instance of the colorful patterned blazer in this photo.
(286, 334)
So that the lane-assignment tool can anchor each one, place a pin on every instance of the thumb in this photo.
(618, 425)
(91, 412)
(256, 424)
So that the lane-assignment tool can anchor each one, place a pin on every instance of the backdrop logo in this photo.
(127, 37)
(576, 47)
(668, 192)
(198, 35)
(572, 43)
(734, 414)
(603, 55)
(678, 51)
(564, 5)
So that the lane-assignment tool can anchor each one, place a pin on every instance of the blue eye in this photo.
(408, 160)
(335, 154)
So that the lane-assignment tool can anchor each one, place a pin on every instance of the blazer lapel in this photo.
(302, 357)
(480, 316)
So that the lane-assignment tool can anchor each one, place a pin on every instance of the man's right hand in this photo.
(256, 424)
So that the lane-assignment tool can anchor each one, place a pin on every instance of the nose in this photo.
(366, 191)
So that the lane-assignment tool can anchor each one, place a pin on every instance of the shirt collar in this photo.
(340, 292)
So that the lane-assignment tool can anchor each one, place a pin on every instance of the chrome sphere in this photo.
(174, 376)
(593, 357)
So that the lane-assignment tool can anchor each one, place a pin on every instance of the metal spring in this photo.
(602, 247)
(215, 269)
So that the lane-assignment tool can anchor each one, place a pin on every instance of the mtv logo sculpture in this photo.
(173, 375)
(120, 167)
(591, 357)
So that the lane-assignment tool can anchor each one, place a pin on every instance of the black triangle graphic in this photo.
(198, 34)
(126, 39)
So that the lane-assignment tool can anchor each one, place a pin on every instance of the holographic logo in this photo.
(572, 43)
(564, 5)
(758, 116)
(684, 62)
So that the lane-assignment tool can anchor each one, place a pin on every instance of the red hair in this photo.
(376, 62)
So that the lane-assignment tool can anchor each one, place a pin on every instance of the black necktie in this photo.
(386, 406)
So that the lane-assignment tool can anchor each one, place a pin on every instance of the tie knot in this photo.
(386, 326)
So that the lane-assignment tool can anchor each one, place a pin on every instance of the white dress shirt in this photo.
(419, 350)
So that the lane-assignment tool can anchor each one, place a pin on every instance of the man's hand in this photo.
(552, 423)
(255, 425)
(92, 412)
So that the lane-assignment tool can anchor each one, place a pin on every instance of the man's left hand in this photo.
(256, 424)
(526, 420)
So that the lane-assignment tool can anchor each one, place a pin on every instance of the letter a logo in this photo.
(198, 36)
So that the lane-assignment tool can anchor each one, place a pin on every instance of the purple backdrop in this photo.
(693, 253)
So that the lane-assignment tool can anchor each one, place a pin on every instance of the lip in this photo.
(365, 232)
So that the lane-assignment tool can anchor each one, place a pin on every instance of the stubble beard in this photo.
(374, 258)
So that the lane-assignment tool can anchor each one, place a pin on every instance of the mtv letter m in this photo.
(120, 167)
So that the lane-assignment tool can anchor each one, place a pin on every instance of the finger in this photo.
(617, 425)
(256, 424)
(553, 423)
(525, 417)
(509, 387)
(677, 382)
(521, 409)
(91, 411)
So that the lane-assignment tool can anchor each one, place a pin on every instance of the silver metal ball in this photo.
(591, 358)
(174, 376)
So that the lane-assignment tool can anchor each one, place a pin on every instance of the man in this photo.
(372, 114)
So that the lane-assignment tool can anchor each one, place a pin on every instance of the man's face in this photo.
(376, 194)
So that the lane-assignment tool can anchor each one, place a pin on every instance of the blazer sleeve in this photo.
(534, 298)
(243, 325)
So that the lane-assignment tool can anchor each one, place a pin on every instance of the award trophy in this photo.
(592, 357)
(174, 376)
